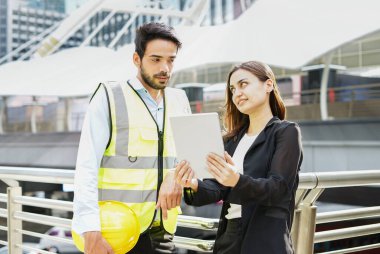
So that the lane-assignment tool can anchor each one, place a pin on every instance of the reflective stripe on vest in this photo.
(135, 162)
(129, 167)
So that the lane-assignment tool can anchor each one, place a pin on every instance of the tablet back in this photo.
(196, 136)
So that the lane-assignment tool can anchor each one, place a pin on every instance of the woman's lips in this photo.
(240, 102)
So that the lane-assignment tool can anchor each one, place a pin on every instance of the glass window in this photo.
(67, 233)
(53, 233)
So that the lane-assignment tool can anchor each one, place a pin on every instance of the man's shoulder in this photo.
(178, 97)
(114, 82)
(173, 90)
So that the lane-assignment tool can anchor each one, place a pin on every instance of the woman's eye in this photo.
(232, 89)
(155, 60)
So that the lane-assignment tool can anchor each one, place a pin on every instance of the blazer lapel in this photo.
(233, 143)
(262, 136)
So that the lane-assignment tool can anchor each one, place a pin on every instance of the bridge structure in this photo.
(306, 218)
(72, 80)
(340, 128)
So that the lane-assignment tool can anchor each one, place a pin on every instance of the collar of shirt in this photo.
(145, 95)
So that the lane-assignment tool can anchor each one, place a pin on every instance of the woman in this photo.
(258, 183)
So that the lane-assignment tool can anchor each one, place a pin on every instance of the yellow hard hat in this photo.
(120, 227)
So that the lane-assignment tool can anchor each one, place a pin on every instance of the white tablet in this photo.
(195, 136)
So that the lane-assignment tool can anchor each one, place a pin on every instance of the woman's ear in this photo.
(269, 85)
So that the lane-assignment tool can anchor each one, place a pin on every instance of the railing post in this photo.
(306, 229)
(14, 224)
(305, 219)
(295, 227)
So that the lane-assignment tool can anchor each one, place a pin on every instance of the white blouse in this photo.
(238, 158)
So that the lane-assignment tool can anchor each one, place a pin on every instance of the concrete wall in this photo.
(322, 156)
(328, 146)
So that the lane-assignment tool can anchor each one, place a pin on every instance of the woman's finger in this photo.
(215, 165)
(217, 177)
(215, 162)
(228, 158)
(219, 160)
(214, 170)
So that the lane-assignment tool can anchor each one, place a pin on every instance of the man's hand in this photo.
(94, 243)
(170, 194)
(185, 176)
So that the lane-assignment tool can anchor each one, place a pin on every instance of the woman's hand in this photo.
(185, 176)
(223, 169)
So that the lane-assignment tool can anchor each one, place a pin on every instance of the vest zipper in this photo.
(160, 158)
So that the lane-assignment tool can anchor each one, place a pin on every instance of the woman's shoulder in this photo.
(285, 127)
(286, 123)
(279, 124)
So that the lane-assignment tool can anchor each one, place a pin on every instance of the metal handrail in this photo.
(45, 236)
(198, 222)
(313, 92)
(43, 219)
(24, 247)
(310, 187)
(355, 249)
(307, 181)
(44, 203)
(41, 175)
(3, 197)
(349, 214)
(194, 244)
(348, 178)
(341, 143)
(3, 213)
(331, 179)
(343, 233)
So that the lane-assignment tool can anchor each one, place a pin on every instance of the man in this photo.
(126, 151)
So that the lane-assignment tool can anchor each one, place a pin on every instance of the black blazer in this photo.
(266, 190)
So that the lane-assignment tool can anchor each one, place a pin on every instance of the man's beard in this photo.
(150, 82)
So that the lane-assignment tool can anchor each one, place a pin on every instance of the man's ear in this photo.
(136, 60)
(269, 85)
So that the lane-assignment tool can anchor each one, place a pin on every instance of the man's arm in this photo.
(94, 138)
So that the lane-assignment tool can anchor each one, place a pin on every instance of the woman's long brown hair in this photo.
(234, 120)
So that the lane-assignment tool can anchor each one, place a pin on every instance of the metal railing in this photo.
(306, 218)
(359, 101)
(355, 101)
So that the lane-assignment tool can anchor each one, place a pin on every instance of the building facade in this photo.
(219, 12)
(3, 27)
(23, 20)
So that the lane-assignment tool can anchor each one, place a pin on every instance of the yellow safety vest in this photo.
(138, 155)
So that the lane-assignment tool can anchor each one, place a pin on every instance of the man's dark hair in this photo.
(152, 31)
